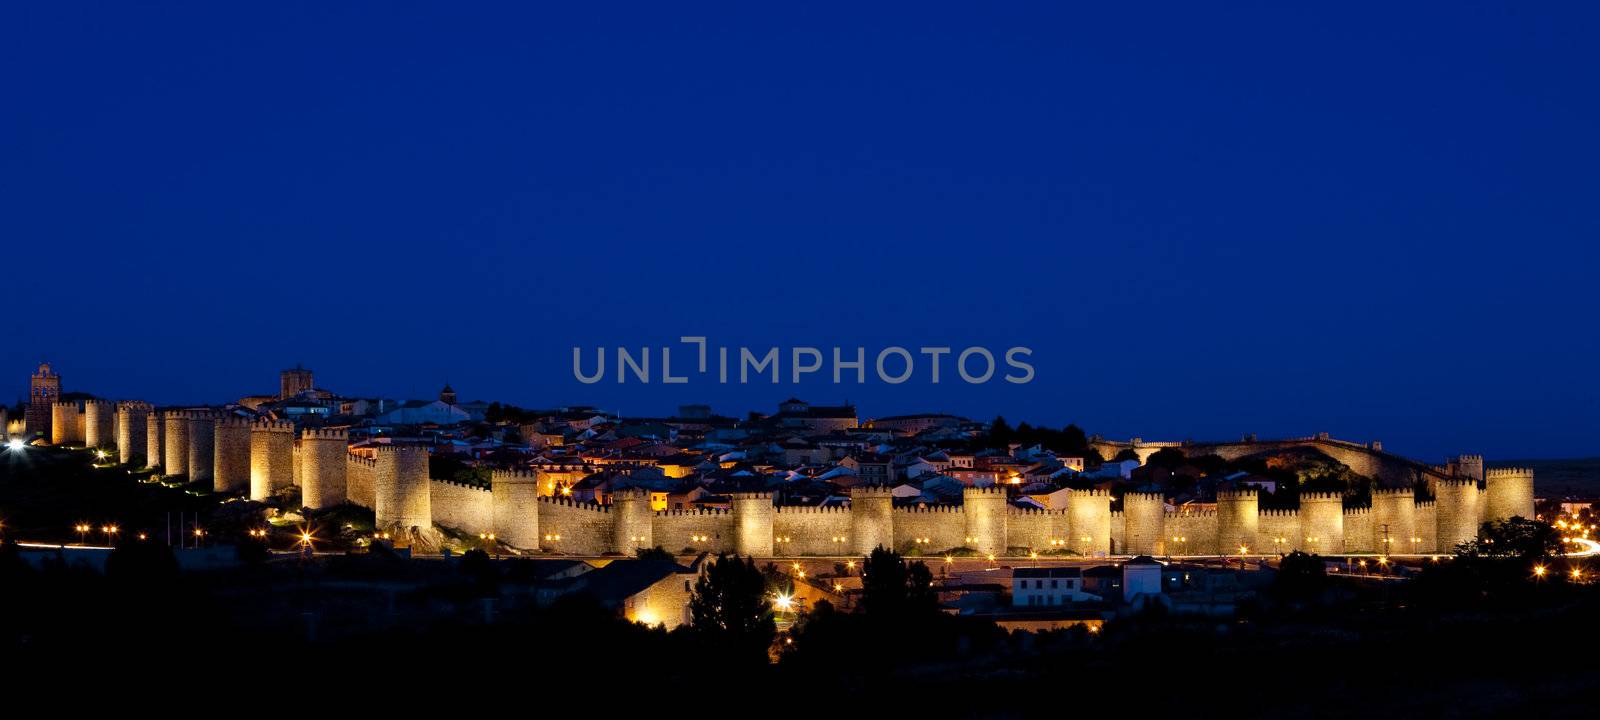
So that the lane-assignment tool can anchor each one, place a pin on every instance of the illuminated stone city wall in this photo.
(323, 466)
(514, 507)
(66, 423)
(804, 530)
(1508, 493)
(920, 530)
(99, 423)
(360, 479)
(231, 464)
(133, 436)
(175, 453)
(271, 458)
(155, 434)
(402, 492)
(467, 508)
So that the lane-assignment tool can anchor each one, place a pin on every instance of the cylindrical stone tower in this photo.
(1459, 505)
(984, 510)
(871, 518)
(1144, 516)
(175, 455)
(155, 439)
(402, 488)
(202, 446)
(630, 520)
(231, 466)
(1508, 493)
(1238, 520)
(271, 457)
(1321, 523)
(1089, 517)
(1394, 521)
(516, 508)
(753, 516)
(132, 435)
(98, 421)
(322, 467)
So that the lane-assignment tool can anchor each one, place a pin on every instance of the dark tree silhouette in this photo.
(892, 588)
(731, 610)
(1301, 578)
(655, 553)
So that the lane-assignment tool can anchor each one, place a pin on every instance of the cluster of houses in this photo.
(805, 454)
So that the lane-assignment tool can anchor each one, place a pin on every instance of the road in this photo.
(1590, 547)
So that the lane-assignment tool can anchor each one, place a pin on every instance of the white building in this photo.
(1141, 576)
(1048, 586)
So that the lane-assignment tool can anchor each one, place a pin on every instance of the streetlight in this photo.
(83, 532)
(15, 444)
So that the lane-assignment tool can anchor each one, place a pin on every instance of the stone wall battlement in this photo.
(569, 502)
(1394, 492)
(1321, 497)
(235, 422)
(134, 406)
(982, 491)
(284, 426)
(1090, 493)
(865, 491)
(514, 474)
(1243, 494)
(930, 510)
(1457, 482)
(1191, 514)
(462, 485)
(813, 510)
(1357, 512)
(361, 460)
(1499, 473)
(752, 495)
(694, 512)
(1277, 513)
(1014, 510)
(340, 434)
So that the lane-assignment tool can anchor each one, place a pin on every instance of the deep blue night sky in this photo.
(1264, 219)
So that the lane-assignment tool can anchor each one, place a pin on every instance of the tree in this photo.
(1301, 577)
(655, 553)
(892, 588)
(731, 610)
(1169, 458)
(1515, 538)
(477, 566)
(1000, 432)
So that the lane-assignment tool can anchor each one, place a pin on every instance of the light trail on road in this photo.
(1590, 547)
